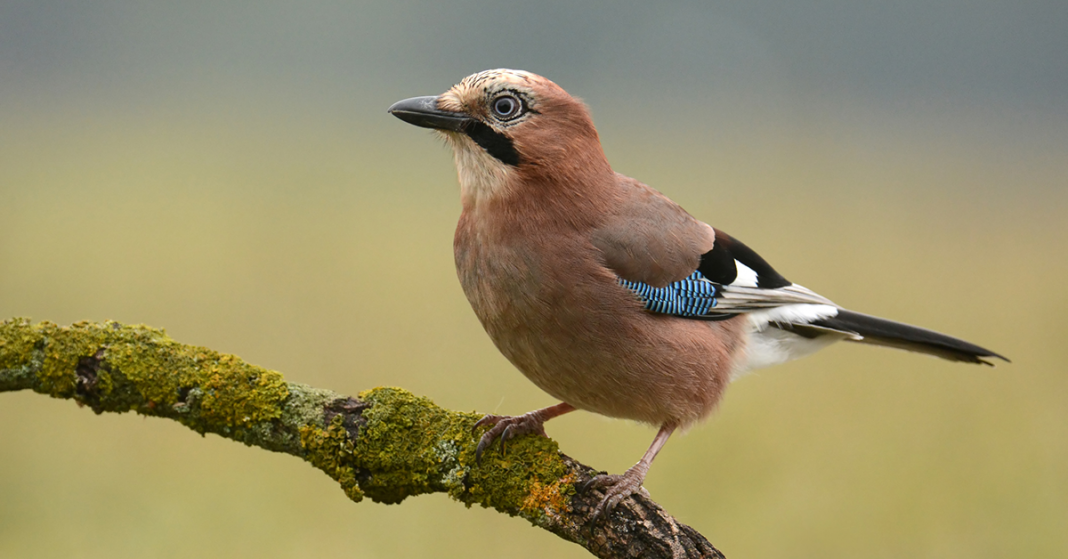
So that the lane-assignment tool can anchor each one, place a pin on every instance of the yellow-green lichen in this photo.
(20, 358)
(407, 445)
(330, 450)
(140, 368)
(506, 482)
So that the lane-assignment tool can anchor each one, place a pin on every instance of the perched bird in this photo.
(602, 291)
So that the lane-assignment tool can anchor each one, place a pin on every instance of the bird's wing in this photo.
(679, 265)
(731, 279)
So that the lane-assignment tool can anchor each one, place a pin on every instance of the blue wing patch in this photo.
(691, 297)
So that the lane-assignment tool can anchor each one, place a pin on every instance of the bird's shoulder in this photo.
(646, 237)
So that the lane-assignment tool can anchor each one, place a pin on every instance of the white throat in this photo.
(481, 175)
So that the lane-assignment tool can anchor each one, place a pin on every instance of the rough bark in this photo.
(385, 444)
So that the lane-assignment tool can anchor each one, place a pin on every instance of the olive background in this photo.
(229, 173)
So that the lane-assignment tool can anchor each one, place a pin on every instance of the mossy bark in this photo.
(386, 444)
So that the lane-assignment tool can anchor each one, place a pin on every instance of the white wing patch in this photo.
(747, 277)
(790, 314)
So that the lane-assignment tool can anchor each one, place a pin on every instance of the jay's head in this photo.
(506, 126)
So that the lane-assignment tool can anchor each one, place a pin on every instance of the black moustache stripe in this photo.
(496, 144)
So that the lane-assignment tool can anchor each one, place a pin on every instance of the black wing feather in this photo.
(718, 264)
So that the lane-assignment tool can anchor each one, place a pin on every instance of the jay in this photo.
(602, 291)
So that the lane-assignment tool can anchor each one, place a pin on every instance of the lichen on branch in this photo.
(387, 444)
(116, 368)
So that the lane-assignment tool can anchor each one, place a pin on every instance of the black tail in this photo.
(879, 331)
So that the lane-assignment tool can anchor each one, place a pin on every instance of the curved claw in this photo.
(589, 484)
(487, 438)
(479, 449)
(607, 505)
(597, 481)
(618, 487)
(504, 437)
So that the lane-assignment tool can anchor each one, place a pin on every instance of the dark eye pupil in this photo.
(505, 106)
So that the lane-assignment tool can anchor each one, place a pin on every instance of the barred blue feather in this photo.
(693, 296)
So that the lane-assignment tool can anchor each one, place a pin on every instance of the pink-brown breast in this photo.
(546, 298)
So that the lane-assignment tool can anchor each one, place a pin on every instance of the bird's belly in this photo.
(581, 337)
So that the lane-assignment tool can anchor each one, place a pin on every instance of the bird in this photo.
(603, 292)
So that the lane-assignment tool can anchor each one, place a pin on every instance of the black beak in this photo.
(423, 111)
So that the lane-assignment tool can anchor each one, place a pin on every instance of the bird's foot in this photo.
(616, 488)
(507, 427)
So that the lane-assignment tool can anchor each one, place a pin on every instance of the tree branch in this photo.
(387, 444)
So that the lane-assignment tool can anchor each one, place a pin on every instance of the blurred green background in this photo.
(230, 174)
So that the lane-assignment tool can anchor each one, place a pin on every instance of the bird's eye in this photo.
(506, 107)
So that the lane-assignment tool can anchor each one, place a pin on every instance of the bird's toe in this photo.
(616, 488)
(506, 428)
(488, 419)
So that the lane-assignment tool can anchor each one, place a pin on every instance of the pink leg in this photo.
(508, 427)
(619, 487)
